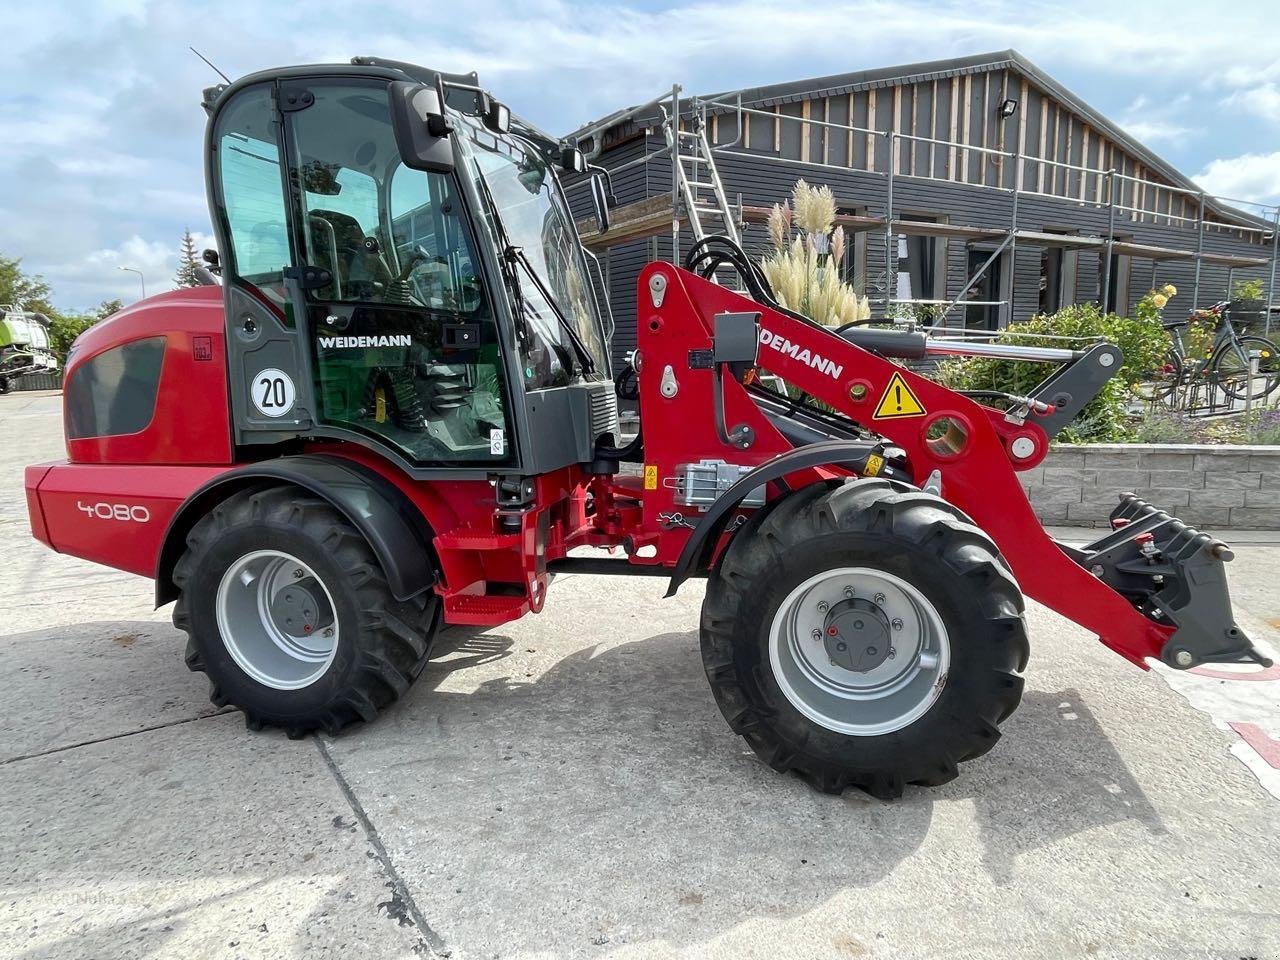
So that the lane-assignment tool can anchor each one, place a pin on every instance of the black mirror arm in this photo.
(603, 172)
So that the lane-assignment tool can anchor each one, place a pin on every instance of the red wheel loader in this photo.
(398, 409)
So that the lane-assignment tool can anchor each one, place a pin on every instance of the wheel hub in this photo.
(276, 619)
(856, 634)
(300, 607)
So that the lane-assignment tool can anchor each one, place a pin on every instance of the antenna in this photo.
(210, 63)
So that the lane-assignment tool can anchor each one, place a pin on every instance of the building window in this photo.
(1117, 292)
(854, 267)
(923, 272)
(984, 304)
(1051, 279)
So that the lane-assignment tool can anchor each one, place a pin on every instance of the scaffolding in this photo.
(687, 120)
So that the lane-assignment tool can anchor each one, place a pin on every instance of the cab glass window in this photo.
(405, 343)
(252, 193)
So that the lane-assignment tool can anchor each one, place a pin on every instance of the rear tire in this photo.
(886, 724)
(356, 649)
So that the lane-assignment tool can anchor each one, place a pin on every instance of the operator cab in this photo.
(401, 270)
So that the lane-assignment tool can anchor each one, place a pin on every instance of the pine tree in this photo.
(188, 262)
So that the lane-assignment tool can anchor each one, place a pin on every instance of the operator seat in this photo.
(338, 245)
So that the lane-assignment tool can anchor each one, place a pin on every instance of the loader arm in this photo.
(975, 453)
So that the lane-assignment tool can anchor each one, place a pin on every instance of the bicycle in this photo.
(1227, 361)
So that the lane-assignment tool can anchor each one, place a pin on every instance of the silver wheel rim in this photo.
(277, 619)
(863, 693)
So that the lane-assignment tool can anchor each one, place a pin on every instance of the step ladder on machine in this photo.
(698, 185)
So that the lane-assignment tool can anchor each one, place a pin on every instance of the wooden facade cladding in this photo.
(955, 167)
(951, 130)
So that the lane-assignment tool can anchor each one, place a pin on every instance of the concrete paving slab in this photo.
(191, 841)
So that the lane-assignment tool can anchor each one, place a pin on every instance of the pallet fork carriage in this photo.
(421, 425)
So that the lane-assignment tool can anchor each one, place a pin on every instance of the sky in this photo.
(101, 126)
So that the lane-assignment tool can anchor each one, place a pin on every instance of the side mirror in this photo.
(422, 130)
(572, 160)
(600, 201)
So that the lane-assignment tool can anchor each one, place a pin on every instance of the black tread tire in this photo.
(384, 643)
(914, 535)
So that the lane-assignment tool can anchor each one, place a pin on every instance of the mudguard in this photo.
(398, 534)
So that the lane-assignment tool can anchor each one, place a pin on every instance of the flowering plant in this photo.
(804, 267)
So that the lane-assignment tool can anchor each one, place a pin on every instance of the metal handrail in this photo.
(606, 123)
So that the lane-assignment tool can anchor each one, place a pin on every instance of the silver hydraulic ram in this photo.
(1056, 401)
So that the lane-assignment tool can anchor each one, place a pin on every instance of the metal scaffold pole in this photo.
(675, 173)
(1271, 284)
(890, 242)
(1195, 294)
(1007, 307)
(1111, 240)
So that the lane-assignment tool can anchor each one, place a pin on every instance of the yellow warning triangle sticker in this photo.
(898, 401)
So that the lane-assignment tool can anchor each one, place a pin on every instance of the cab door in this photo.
(385, 333)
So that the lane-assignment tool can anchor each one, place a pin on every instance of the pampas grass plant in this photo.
(804, 267)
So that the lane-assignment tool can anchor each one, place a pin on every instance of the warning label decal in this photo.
(898, 401)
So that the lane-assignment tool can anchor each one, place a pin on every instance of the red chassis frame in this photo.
(75, 506)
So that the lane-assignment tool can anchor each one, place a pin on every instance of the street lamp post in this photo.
(141, 279)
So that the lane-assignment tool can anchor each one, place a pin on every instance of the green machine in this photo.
(24, 346)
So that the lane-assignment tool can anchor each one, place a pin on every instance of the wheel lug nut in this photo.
(329, 632)
(298, 574)
(892, 652)
(848, 592)
(817, 634)
(896, 623)
(823, 606)
(880, 598)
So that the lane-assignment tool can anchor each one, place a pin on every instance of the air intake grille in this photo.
(604, 411)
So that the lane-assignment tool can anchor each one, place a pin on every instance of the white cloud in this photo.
(1152, 123)
(1262, 100)
(98, 274)
(1253, 177)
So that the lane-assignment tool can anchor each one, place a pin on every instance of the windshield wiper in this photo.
(511, 256)
(579, 347)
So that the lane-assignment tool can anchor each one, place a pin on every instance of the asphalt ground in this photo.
(564, 786)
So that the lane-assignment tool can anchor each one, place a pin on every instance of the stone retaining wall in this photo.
(1208, 486)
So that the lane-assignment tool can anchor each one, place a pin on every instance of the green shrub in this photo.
(1247, 290)
(1142, 339)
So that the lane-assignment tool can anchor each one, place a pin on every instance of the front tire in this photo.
(864, 635)
(289, 613)
(1232, 371)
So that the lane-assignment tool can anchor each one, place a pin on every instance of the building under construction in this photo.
(978, 186)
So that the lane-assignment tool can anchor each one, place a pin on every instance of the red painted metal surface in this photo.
(115, 514)
(191, 423)
(980, 478)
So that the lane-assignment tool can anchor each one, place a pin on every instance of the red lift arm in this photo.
(970, 446)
